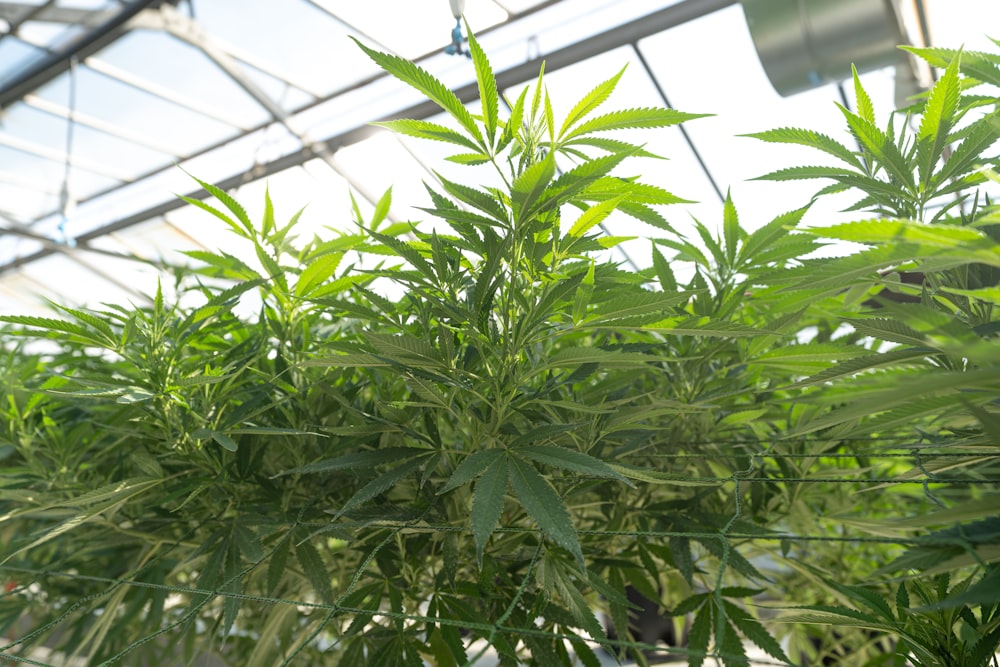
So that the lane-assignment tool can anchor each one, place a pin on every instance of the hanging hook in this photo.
(457, 46)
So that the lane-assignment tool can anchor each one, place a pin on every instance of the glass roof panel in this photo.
(183, 69)
(115, 155)
(136, 110)
(322, 57)
(16, 56)
(287, 95)
(53, 35)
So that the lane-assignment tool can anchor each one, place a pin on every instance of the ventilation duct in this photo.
(804, 44)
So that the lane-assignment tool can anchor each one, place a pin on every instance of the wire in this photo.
(65, 199)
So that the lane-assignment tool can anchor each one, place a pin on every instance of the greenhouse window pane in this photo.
(324, 59)
(53, 35)
(120, 155)
(169, 62)
(16, 56)
(137, 111)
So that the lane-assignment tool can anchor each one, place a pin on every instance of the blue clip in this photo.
(457, 42)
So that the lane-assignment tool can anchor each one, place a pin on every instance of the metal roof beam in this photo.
(58, 62)
(18, 13)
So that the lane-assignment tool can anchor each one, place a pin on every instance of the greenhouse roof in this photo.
(107, 107)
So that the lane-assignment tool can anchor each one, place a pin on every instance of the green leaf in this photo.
(730, 228)
(353, 460)
(881, 230)
(731, 648)
(315, 570)
(380, 484)
(568, 459)
(612, 146)
(318, 270)
(234, 207)
(881, 147)
(864, 103)
(641, 304)
(276, 564)
(544, 506)
(891, 330)
(591, 101)
(630, 119)
(857, 365)
(701, 632)
(939, 115)
(791, 135)
(652, 476)
(468, 158)
(478, 199)
(422, 129)
(225, 441)
(437, 92)
(529, 186)
(471, 467)
(806, 172)
(487, 502)
(589, 218)
(488, 95)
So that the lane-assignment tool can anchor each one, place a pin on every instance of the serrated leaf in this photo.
(891, 330)
(276, 565)
(488, 95)
(315, 570)
(471, 467)
(468, 158)
(647, 117)
(568, 459)
(593, 216)
(591, 101)
(481, 201)
(881, 230)
(318, 270)
(423, 81)
(792, 135)
(805, 173)
(613, 146)
(730, 228)
(381, 484)
(881, 146)
(574, 356)
(529, 186)
(487, 502)
(544, 506)
(701, 632)
(365, 459)
(653, 476)
(640, 304)
(731, 648)
(939, 115)
(857, 365)
(422, 129)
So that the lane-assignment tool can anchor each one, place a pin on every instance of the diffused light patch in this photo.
(77, 285)
(381, 162)
(314, 188)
